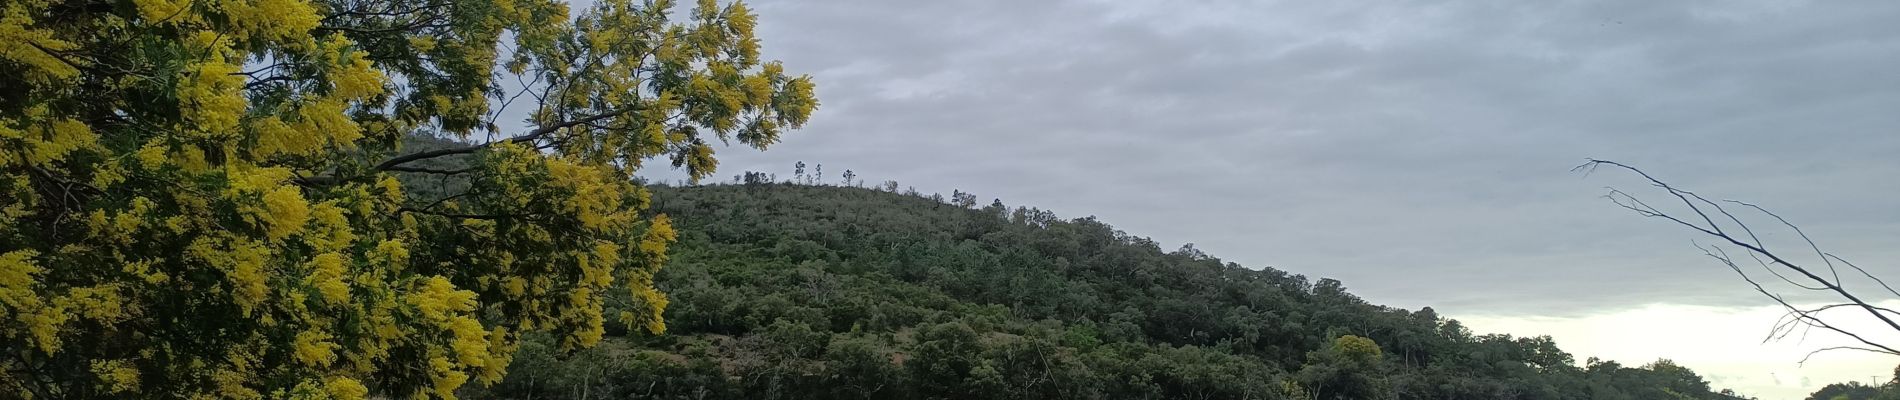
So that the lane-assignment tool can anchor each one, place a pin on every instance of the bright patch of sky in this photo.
(1724, 344)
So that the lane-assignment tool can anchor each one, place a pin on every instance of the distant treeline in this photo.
(791, 291)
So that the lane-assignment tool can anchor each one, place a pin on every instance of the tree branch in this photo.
(461, 216)
(1758, 250)
(421, 170)
(393, 163)
(1804, 359)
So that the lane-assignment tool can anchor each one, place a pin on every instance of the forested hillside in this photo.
(782, 291)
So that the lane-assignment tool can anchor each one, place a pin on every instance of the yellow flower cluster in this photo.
(243, 263)
(22, 43)
(653, 243)
(210, 95)
(446, 309)
(19, 284)
(352, 76)
(315, 349)
(327, 276)
(46, 138)
(118, 376)
(271, 20)
(162, 11)
(438, 300)
(343, 388)
(595, 198)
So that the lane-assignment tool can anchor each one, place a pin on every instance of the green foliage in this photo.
(1351, 367)
(212, 199)
(1857, 391)
(799, 291)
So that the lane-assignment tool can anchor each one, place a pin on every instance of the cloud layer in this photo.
(1419, 151)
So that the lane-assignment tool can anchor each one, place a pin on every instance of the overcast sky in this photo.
(1420, 151)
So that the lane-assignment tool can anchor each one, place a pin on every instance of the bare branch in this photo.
(1804, 359)
(1784, 278)
(1863, 271)
(1758, 250)
(1804, 237)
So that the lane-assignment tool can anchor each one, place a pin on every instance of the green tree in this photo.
(946, 362)
(1845, 391)
(782, 295)
(963, 199)
(1350, 368)
(1675, 380)
(212, 198)
(859, 368)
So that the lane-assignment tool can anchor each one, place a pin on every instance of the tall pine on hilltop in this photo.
(210, 198)
(783, 291)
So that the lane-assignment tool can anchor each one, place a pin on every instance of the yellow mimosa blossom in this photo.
(247, 199)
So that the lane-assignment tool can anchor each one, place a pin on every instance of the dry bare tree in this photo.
(1727, 222)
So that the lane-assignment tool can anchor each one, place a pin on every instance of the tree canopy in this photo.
(213, 199)
(783, 291)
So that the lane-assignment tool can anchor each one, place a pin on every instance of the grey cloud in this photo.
(1418, 151)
